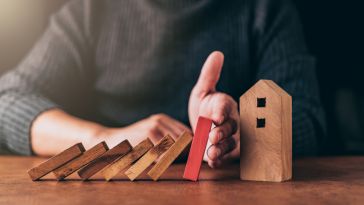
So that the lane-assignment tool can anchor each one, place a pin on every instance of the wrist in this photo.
(112, 136)
(96, 133)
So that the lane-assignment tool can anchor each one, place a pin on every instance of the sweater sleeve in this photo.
(48, 77)
(281, 55)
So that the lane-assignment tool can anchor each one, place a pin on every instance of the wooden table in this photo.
(334, 180)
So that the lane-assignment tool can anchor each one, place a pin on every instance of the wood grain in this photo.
(72, 166)
(266, 152)
(197, 150)
(118, 165)
(145, 161)
(56, 161)
(321, 180)
(107, 158)
(170, 155)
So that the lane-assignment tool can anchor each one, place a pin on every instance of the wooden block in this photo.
(170, 155)
(56, 161)
(72, 166)
(266, 133)
(199, 142)
(120, 164)
(107, 158)
(143, 163)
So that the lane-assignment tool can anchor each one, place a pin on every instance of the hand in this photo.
(155, 127)
(55, 130)
(205, 101)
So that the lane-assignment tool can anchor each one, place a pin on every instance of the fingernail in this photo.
(209, 153)
(218, 152)
(210, 135)
(220, 136)
(216, 155)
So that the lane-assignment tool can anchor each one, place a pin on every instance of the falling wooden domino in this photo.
(107, 158)
(56, 161)
(120, 164)
(170, 155)
(144, 162)
(193, 166)
(72, 166)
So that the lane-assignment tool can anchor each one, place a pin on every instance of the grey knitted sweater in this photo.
(116, 62)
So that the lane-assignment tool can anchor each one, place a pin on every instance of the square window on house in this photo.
(261, 102)
(260, 122)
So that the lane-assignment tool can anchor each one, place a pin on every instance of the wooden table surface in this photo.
(334, 180)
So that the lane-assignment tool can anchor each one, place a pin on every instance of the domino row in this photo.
(110, 162)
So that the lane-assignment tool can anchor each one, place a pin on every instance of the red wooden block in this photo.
(192, 169)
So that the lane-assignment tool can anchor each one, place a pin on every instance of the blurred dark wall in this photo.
(334, 35)
(21, 23)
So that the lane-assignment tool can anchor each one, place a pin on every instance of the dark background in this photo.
(334, 34)
(333, 31)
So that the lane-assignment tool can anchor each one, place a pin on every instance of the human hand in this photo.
(55, 130)
(221, 108)
(155, 127)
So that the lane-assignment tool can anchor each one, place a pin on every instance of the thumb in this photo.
(210, 73)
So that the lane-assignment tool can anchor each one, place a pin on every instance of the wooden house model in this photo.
(266, 133)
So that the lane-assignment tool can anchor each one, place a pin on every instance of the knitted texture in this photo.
(116, 62)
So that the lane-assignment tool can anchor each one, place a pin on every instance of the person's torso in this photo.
(148, 55)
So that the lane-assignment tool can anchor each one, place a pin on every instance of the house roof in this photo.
(272, 85)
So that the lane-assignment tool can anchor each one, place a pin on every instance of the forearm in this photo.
(55, 130)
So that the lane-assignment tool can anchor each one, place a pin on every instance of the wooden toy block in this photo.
(120, 164)
(170, 155)
(88, 156)
(193, 166)
(56, 161)
(266, 133)
(144, 162)
(107, 158)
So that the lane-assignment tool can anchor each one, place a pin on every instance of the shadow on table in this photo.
(325, 170)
